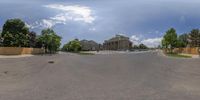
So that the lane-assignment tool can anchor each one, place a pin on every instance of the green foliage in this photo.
(85, 53)
(50, 40)
(182, 40)
(178, 55)
(194, 37)
(164, 43)
(1, 40)
(135, 47)
(15, 33)
(32, 39)
(72, 46)
(142, 46)
(170, 39)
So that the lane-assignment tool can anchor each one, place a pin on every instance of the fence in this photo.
(194, 51)
(20, 51)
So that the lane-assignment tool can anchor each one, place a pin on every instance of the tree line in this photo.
(72, 46)
(171, 40)
(15, 33)
(75, 46)
(140, 46)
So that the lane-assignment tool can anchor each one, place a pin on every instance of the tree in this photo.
(50, 40)
(194, 38)
(159, 47)
(1, 40)
(39, 42)
(182, 40)
(142, 46)
(55, 43)
(32, 39)
(135, 47)
(170, 39)
(15, 33)
(72, 46)
(164, 43)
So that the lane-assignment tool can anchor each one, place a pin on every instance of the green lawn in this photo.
(178, 55)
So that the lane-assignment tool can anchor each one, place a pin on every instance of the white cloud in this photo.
(27, 25)
(152, 42)
(74, 12)
(67, 13)
(92, 29)
(47, 23)
(135, 39)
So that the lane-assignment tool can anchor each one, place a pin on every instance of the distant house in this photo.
(119, 42)
(89, 45)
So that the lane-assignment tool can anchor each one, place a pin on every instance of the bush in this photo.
(72, 46)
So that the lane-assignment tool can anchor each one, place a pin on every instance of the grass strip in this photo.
(85, 53)
(178, 55)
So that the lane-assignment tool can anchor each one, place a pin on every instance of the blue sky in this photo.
(144, 21)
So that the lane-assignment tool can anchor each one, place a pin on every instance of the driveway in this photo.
(133, 76)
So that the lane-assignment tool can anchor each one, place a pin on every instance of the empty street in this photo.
(123, 76)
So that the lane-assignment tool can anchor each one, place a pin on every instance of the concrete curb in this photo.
(15, 56)
(160, 52)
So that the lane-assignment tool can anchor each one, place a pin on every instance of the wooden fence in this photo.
(194, 51)
(20, 51)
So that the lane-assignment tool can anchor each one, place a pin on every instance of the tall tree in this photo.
(182, 40)
(142, 46)
(194, 38)
(170, 39)
(72, 46)
(32, 39)
(15, 33)
(50, 40)
(1, 40)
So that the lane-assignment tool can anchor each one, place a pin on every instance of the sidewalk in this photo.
(193, 56)
(160, 52)
(15, 56)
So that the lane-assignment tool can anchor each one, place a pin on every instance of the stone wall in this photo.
(20, 51)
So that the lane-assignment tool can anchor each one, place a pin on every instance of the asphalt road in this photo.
(140, 76)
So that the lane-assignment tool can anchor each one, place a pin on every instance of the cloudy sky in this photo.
(144, 21)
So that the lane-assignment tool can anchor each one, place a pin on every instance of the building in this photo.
(89, 45)
(119, 42)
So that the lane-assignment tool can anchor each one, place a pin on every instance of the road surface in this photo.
(134, 76)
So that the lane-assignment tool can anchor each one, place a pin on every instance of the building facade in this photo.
(119, 42)
(89, 45)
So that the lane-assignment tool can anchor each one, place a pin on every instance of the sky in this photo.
(144, 21)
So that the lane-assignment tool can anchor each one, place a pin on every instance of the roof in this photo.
(118, 37)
